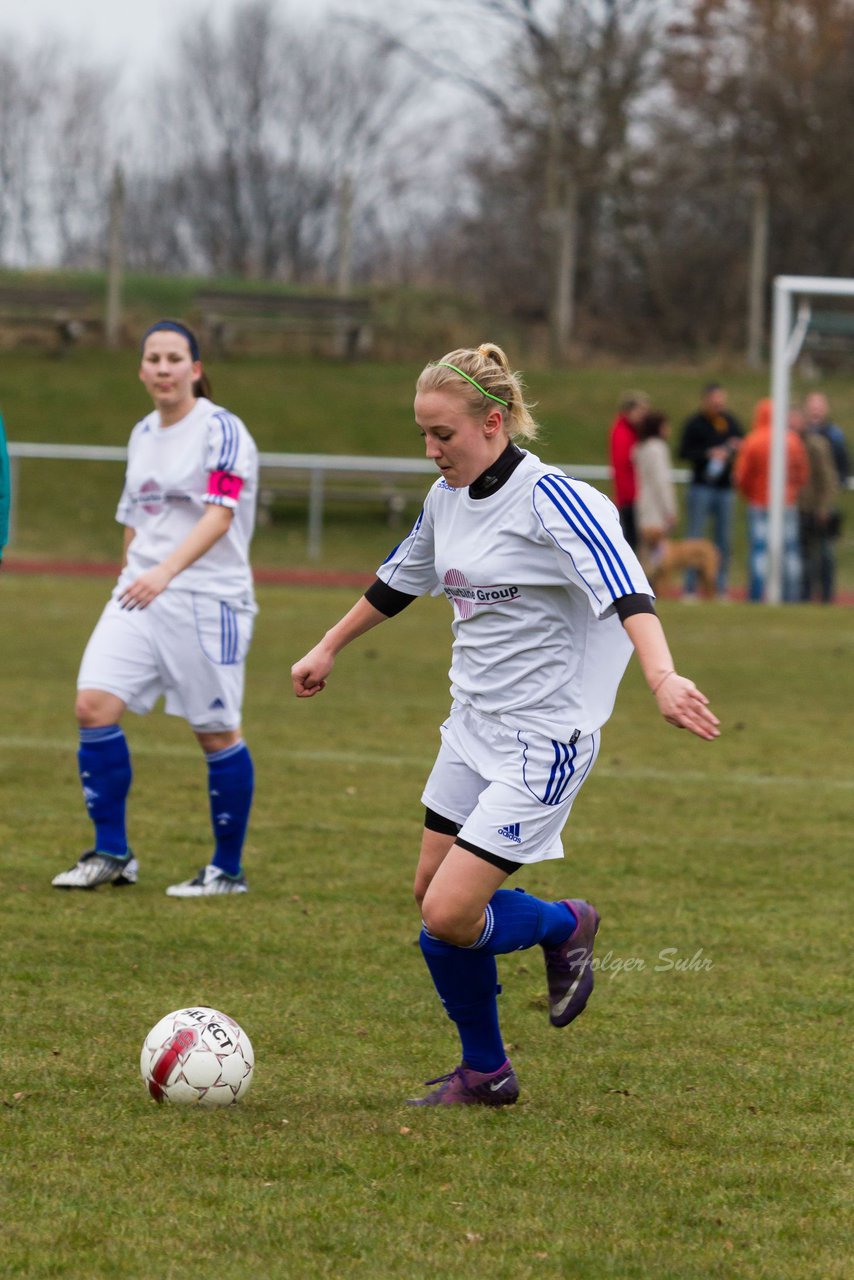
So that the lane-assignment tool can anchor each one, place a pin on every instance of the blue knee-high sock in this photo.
(466, 977)
(105, 773)
(516, 920)
(231, 782)
(467, 983)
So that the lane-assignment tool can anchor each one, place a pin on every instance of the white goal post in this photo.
(786, 344)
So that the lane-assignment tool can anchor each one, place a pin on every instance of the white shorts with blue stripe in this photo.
(511, 789)
(189, 647)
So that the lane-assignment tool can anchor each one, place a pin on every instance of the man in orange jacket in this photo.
(752, 471)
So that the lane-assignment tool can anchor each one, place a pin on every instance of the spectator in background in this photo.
(817, 414)
(817, 502)
(752, 469)
(5, 490)
(623, 438)
(819, 422)
(710, 441)
(655, 509)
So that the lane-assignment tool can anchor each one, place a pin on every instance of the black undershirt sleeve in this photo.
(386, 599)
(627, 606)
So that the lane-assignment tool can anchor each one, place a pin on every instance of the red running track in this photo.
(267, 577)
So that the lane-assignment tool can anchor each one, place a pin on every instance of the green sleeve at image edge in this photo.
(4, 489)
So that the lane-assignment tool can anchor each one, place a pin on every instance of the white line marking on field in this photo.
(668, 776)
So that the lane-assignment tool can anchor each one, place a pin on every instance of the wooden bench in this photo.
(337, 326)
(65, 314)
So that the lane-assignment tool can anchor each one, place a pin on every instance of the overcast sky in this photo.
(133, 33)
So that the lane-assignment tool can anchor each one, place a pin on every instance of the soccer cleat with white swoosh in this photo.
(569, 967)
(465, 1087)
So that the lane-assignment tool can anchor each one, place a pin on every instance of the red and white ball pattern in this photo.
(198, 1056)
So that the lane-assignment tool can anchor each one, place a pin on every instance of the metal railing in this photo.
(317, 466)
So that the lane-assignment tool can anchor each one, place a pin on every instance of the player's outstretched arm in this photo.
(679, 700)
(310, 674)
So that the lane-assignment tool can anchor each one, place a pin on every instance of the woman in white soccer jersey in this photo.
(548, 601)
(180, 619)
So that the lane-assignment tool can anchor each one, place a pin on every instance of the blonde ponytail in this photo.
(482, 377)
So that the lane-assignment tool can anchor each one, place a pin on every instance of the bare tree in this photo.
(572, 72)
(266, 121)
(78, 152)
(54, 153)
(24, 87)
(763, 92)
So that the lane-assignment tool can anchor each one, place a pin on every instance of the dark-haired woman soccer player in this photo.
(180, 619)
(548, 601)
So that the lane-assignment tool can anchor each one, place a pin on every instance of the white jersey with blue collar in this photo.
(173, 474)
(532, 572)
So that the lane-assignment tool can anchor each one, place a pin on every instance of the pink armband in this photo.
(224, 484)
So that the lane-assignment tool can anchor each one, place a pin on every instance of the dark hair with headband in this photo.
(201, 386)
(482, 377)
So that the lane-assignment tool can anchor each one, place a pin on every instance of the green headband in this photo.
(443, 364)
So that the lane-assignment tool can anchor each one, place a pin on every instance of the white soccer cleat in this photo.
(209, 882)
(98, 868)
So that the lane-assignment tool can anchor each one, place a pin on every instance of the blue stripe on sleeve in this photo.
(410, 537)
(228, 448)
(583, 523)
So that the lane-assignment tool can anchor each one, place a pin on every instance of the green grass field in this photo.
(691, 1125)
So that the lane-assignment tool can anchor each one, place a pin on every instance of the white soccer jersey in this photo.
(532, 572)
(172, 474)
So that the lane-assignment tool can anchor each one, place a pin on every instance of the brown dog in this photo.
(662, 557)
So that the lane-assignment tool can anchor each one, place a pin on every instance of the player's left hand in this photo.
(145, 588)
(684, 706)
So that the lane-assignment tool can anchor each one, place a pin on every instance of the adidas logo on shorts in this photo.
(511, 832)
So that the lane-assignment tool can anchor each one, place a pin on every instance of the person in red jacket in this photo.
(752, 470)
(624, 435)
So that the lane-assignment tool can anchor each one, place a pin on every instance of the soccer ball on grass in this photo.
(197, 1056)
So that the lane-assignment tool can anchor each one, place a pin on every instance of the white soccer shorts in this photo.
(511, 789)
(189, 647)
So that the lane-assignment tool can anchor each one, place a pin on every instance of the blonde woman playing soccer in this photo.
(548, 602)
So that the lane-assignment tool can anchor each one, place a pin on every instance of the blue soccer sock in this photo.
(231, 782)
(467, 983)
(466, 978)
(103, 760)
(516, 920)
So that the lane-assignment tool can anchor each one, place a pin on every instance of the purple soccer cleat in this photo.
(464, 1087)
(568, 967)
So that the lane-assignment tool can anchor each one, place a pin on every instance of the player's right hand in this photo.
(310, 673)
